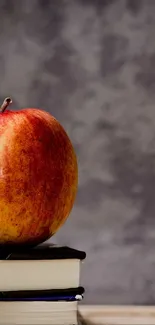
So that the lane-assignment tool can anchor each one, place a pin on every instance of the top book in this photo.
(39, 268)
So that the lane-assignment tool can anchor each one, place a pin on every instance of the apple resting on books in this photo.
(38, 175)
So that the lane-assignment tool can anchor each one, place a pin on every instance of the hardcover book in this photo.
(40, 268)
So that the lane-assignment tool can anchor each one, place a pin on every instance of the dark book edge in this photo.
(42, 293)
(67, 298)
(40, 252)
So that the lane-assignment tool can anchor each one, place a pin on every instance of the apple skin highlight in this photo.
(38, 176)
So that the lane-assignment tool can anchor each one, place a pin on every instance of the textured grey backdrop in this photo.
(91, 63)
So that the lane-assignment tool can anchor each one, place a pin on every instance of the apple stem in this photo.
(6, 103)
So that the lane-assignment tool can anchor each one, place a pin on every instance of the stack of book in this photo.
(40, 285)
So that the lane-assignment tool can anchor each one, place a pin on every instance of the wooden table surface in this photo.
(117, 315)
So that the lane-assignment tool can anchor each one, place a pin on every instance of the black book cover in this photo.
(56, 293)
(40, 252)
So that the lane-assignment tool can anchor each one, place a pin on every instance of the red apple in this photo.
(38, 175)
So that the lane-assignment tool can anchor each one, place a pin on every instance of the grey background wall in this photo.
(91, 63)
